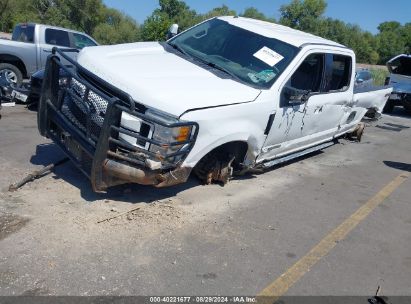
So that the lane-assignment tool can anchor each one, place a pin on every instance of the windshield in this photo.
(247, 56)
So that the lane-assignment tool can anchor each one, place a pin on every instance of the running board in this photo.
(287, 158)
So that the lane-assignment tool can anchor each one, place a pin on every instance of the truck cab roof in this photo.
(277, 31)
(49, 26)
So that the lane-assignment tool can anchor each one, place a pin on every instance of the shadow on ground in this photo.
(47, 154)
(398, 165)
(392, 127)
(399, 112)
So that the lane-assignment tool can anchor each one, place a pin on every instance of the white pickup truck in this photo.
(228, 95)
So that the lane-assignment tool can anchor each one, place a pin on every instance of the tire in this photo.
(205, 167)
(389, 107)
(12, 73)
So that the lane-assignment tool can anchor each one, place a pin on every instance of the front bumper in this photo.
(82, 115)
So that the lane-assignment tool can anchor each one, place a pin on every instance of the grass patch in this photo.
(379, 76)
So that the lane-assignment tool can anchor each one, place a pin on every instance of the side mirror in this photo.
(296, 96)
(172, 31)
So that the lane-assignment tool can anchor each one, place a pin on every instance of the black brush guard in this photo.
(81, 113)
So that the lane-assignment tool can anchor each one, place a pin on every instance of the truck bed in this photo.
(372, 97)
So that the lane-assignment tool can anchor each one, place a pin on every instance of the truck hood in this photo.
(161, 79)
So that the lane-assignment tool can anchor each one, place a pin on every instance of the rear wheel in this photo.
(11, 73)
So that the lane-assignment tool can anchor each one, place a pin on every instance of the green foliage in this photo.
(379, 75)
(220, 11)
(303, 14)
(253, 13)
(155, 27)
(307, 15)
(116, 28)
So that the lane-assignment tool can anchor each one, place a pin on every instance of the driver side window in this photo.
(309, 74)
(308, 77)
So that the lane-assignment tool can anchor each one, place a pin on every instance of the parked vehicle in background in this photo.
(400, 78)
(363, 78)
(31, 43)
(231, 94)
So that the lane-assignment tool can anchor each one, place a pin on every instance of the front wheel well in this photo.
(219, 164)
(14, 60)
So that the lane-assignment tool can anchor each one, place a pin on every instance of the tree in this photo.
(253, 13)
(4, 5)
(389, 26)
(173, 8)
(4, 14)
(223, 10)
(155, 26)
(116, 28)
(303, 14)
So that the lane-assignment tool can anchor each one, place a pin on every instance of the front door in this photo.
(325, 79)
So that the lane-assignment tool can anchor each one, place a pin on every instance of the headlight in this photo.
(167, 135)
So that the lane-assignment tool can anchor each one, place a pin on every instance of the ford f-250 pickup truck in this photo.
(228, 95)
(30, 46)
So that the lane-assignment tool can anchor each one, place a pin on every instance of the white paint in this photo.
(373, 99)
(162, 80)
(268, 56)
(227, 110)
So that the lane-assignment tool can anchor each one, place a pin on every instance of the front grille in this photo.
(84, 108)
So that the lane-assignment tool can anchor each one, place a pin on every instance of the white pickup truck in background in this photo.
(229, 95)
(30, 45)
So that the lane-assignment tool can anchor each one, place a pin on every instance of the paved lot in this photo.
(208, 240)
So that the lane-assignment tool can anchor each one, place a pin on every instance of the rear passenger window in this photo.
(57, 37)
(23, 33)
(338, 73)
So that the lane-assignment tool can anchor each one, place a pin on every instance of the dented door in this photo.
(327, 76)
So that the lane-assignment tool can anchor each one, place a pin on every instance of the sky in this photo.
(368, 14)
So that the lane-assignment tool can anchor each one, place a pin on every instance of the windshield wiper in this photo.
(208, 63)
(178, 48)
(220, 68)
